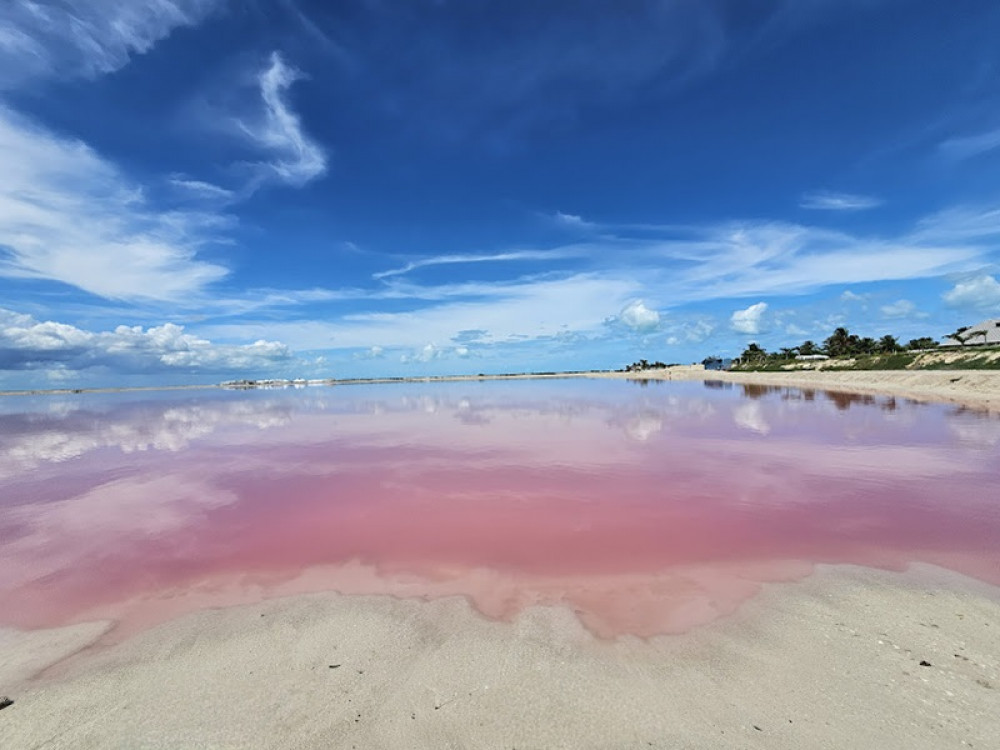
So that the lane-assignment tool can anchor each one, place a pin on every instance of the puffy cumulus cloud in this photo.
(424, 354)
(86, 38)
(980, 293)
(431, 352)
(749, 320)
(26, 343)
(372, 352)
(294, 158)
(70, 216)
(637, 317)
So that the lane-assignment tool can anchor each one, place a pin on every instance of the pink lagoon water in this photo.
(646, 510)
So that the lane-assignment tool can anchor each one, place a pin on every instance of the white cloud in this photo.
(201, 190)
(524, 310)
(85, 38)
(571, 221)
(849, 296)
(294, 158)
(902, 308)
(424, 354)
(447, 260)
(638, 317)
(828, 201)
(698, 331)
(742, 260)
(965, 147)
(981, 293)
(26, 343)
(68, 215)
(750, 319)
(372, 352)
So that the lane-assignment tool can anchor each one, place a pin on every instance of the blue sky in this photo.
(194, 190)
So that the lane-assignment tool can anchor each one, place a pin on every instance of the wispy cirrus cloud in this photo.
(85, 38)
(200, 190)
(292, 157)
(902, 308)
(967, 146)
(824, 200)
(70, 216)
(447, 260)
(518, 311)
(606, 276)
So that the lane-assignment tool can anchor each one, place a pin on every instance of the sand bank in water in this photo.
(833, 661)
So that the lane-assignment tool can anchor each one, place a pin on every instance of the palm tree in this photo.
(888, 344)
(839, 343)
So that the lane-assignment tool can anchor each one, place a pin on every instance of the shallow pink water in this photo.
(646, 510)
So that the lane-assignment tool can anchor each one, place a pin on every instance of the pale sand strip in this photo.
(975, 388)
(830, 662)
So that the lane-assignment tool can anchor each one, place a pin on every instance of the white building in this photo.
(981, 334)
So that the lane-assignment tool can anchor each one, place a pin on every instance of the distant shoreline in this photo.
(974, 388)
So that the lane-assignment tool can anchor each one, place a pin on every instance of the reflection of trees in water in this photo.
(644, 382)
(842, 400)
(718, 384)
(755, 390)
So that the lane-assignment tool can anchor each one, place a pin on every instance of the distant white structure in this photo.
(981, 334)
(811, 357)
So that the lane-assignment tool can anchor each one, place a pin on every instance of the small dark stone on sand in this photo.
(5, 701)
(757, 728)
(924, 663)
(334, 666)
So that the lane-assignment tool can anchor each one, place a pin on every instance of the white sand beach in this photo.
(846, 658)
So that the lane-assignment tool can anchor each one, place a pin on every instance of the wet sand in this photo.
(848, 657)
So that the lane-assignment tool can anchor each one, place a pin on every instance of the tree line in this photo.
(841, 343)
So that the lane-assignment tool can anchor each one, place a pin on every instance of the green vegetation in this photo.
(843, 350)
(643, 364)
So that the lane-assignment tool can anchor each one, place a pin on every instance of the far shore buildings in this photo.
(981, 334)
